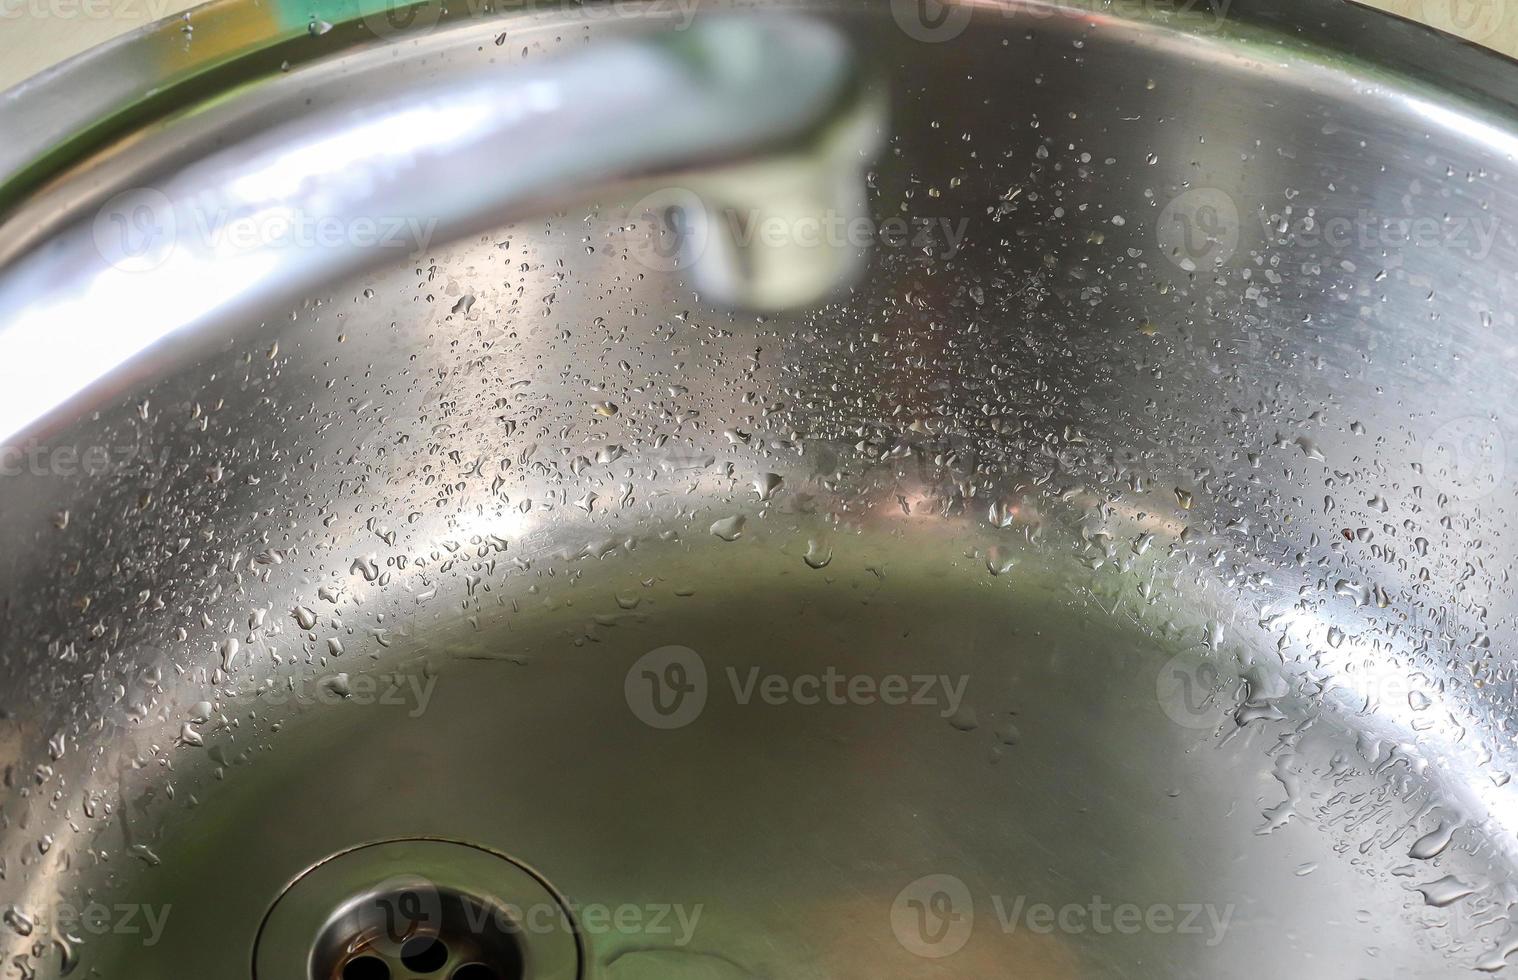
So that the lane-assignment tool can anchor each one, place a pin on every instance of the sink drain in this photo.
(418, 910)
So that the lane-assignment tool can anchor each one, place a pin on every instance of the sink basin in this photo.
(1108, 578)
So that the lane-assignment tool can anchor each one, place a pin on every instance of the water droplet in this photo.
(729, 528)
(818, 554)
(1446, 891)
(1434, 842)
(766, 485)
(229, 648)
(19, 921)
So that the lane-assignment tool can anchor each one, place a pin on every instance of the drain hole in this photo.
(368, 968)
(465, 918)
(424, 954)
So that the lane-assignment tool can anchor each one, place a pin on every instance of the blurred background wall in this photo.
(35, 34)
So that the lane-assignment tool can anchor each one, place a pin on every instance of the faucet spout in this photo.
(761, 117)
(780, 232)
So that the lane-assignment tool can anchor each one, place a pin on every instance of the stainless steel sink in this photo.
(1032, 498)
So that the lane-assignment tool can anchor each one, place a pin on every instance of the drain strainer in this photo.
(418, 910)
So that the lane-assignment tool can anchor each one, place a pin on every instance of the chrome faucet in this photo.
(739, 124)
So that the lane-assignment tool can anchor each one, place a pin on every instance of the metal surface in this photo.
(1113, 581)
